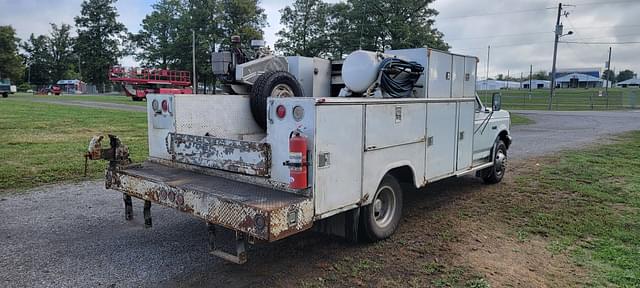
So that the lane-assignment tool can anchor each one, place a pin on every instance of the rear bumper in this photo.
(263, 213)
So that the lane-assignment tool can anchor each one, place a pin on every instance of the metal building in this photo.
(536, 84)
(578, 80)
(496, 85)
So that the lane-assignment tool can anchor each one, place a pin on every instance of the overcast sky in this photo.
(519, 31)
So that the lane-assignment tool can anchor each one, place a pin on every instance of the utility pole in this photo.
(558, 32)
(193, 60)
(606, 87)
(486, 80)
(530, 76)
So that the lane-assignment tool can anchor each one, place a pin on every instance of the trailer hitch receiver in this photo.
(117, 154)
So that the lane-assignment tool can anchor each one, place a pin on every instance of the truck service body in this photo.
(210, 158)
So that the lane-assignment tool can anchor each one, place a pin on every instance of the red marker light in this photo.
(281, 111)
(165, 105)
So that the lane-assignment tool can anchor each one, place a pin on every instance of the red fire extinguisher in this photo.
(297, 161)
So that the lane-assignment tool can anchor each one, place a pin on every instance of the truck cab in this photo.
(321, 144)
(5, 88)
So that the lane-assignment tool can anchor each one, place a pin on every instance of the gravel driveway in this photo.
(75, 235)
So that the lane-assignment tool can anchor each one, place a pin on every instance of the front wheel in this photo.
(5, 95)
(382, 217)
(495, 173)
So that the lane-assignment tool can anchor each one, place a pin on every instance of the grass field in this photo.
(567, 99)
(589, 207)
(43, 143)
(517, 119)
(119, 99)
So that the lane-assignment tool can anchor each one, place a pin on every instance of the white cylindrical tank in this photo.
(360, 70)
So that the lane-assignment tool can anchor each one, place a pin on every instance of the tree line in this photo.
(97, 40)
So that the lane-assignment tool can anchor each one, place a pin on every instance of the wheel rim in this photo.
(282, 90)
(384, 206)
(501, 161)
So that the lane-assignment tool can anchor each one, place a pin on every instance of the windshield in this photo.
(5, 81)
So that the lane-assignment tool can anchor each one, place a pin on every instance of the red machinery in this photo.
(138, 82)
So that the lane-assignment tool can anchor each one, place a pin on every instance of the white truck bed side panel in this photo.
(439, 75)
(378, 162)
(441, 139)
(470, 68)
(338, 156)
(279, 131)
(457, 77)
(159, 125)
(222, 116)
(465, 135)
(394, 124)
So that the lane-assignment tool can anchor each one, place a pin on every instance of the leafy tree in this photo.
(625, 75)
(358, 24)
(61, 51)
(160, 29)
(166, 35)
(609, 75)
(541, 75)
(100, 39)
(306, 29)
(38, 58)
(10, 62)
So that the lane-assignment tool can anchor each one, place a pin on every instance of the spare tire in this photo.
(271, 84)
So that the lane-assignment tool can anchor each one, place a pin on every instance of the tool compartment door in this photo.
(394, 124)
(470, 69)
(465, 135)
(441, 139)
(457, 81)
(338, 156)
(439, 83)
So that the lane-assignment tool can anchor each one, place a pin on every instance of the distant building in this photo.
(635, 82)
(72, 86)
(536, 84)
(579, 80)
(496, 85)
(594, 72)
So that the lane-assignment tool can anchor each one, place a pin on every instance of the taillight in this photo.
(155, 105)
(165, 105)
(298, 113)
(281, 111)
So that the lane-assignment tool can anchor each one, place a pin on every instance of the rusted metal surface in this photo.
(264, 213)
(251, 158)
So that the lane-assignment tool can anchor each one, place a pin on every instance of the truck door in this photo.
(483, 135)
(441, 139)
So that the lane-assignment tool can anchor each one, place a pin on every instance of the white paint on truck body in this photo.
(353, 142)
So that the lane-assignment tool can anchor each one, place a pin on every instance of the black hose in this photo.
(398, 77)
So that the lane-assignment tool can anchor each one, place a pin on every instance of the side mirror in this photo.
(496, 101)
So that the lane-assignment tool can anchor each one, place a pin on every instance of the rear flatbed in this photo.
(263, 213)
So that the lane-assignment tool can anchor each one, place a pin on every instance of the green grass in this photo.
(567, 99)
(118, 99)
(590, 208)
(44, 143)
(517, 119)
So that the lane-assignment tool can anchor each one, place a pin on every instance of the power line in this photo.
(605, 2)
(493, 13)
(602, 43)
(500, 36)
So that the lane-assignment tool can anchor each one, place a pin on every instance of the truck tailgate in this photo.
(264, 213)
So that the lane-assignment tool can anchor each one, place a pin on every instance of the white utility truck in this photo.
(312, 143)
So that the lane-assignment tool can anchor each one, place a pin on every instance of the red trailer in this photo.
(138, 82)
